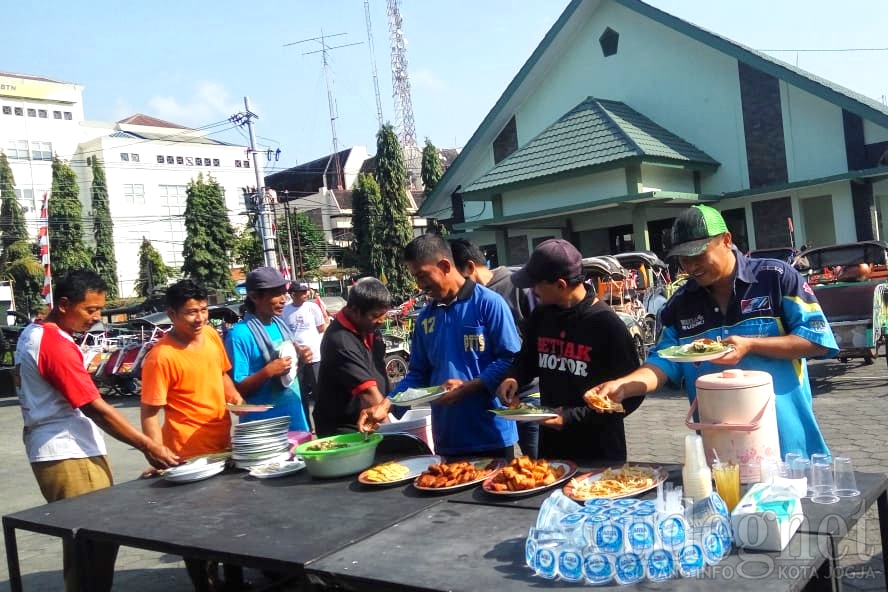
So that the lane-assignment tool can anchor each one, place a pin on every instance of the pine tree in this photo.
(104, 261)
(308, 243)
(366, 205)
(153, 272)
(395, 230)
(18, 261)
(247, 250)
(432, 170)
(66, 247)
(209, 235)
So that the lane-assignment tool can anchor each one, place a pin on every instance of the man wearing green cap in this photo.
(763, 308)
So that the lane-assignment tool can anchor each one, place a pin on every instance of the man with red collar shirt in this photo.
(64, 412)
(352, 374)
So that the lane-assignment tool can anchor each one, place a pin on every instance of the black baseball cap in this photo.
(299, 286)
(553, 259)
(265, 278)
(694, 228)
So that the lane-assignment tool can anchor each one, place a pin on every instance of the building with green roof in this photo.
(625, 114)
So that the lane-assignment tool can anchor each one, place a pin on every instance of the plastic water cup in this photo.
(791, 457)
(823, 484)
(770, 468)
(845, 481)
(801, 467)
(821, 458)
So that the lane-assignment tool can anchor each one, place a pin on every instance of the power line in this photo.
(825, 50)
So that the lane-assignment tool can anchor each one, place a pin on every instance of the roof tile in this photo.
(594, 133)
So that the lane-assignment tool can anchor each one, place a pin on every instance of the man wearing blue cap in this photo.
(763, 308)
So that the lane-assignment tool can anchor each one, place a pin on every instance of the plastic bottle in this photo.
(695, 475)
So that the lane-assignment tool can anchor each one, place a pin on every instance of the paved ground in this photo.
(850, 402)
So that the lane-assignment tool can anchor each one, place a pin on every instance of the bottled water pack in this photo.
(626, 541)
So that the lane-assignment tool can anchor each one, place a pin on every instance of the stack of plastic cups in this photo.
(696, 476)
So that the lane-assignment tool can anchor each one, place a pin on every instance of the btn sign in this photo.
(24, 88)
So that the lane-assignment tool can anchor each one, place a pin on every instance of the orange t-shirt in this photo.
(187, 383)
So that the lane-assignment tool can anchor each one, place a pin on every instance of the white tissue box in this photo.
(767, 517)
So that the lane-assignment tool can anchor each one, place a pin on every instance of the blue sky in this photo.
(192, 62)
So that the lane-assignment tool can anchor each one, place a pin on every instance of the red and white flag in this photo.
(43, 241)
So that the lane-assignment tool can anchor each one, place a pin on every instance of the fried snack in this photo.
(604, 404)
(524, 473)
(450, 474)
(386, 472)
(614, 482)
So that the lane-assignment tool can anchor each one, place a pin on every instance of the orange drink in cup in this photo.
(727, 483)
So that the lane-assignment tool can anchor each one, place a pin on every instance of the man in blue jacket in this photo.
(763, 308)
(465, 340)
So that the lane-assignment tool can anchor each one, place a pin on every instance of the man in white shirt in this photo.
(64, 414)
(307, 322)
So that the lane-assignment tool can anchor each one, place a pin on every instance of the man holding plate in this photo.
(571, 342)
(761, 308)
(464, 341)
(262, 354)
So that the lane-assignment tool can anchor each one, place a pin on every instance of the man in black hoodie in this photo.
(572, 342)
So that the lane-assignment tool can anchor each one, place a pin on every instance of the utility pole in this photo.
(260, 200)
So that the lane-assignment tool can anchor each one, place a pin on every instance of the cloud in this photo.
(425, 78)
(207, 103)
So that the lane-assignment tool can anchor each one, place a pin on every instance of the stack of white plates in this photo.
(258, 442)
(195, 470)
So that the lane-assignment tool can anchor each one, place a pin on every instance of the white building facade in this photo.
(148, 164)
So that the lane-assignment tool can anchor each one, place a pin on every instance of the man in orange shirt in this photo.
(186, 375)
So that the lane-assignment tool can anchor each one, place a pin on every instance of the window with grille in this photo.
(134, 194)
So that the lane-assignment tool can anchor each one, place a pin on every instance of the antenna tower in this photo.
(331, 102)
(373, 63)
(400, 82)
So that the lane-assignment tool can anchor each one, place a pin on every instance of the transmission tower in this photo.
(373, 63)
(331, 102)
(400, 82)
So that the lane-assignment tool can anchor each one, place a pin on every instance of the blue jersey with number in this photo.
(770, 299)
(472, 337)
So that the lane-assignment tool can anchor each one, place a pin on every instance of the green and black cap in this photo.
(694, 228)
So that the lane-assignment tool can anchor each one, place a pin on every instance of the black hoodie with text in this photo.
(571, 350)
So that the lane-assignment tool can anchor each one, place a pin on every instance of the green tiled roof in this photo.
(594, 134)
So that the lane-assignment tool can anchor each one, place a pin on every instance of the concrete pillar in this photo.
(640, 236)
(502, 246)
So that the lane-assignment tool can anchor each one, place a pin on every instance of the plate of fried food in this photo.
(397, 471)
(699, 350)
(604, 404)
(524, 476)
(524, 412)
(456, 475)
(614, 483)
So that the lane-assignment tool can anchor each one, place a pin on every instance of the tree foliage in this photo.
(104, 260)
(66, 248)
(153, 272)
(209, 235)
(247, 250)
(366, 213)
(395, 228)
(309, 247)
(432, 169)
(18, 259)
